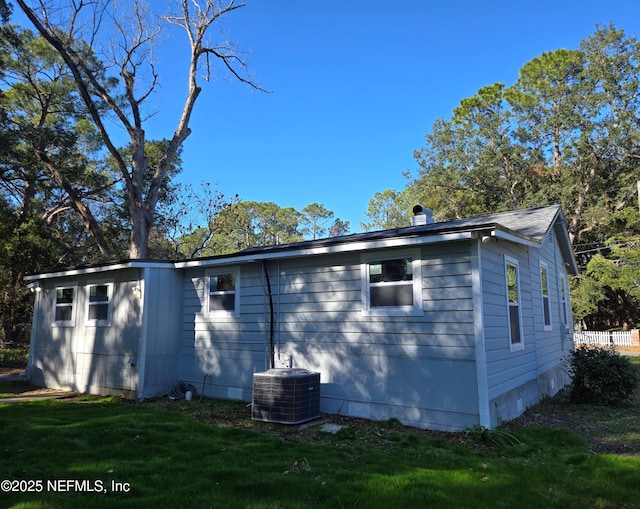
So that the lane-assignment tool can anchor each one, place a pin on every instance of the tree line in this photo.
(566, 132)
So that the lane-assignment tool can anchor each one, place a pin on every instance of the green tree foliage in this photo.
(387, 209)
(249, 224)
(26, 247)
(339, 228)
(108, 49)
(39, 229)
(607, 293)
(195, 222)
(61, 204)
(5, 11)
(471, 163)
(244, 224)
(314, 218)
(50, 159)
(546, 109)
(316, 222)
(567, 132)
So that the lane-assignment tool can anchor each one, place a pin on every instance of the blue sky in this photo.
(355, 85)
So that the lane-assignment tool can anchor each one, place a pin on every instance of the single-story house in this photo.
(440, 325)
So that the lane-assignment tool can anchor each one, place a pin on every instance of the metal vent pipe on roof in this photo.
(421, 216)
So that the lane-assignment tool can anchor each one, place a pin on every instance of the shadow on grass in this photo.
(211, 454)
(189, 454)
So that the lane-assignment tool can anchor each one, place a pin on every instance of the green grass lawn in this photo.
(158, 456)
(194, 454)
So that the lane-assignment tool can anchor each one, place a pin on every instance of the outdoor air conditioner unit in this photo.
(287, 396)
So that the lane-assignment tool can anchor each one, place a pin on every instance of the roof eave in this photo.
(364, 245)
(500, 232)
(566, 248)
(80, 271)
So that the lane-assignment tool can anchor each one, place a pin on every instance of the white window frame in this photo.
(545, 299)
(94, 322)
(519, 345)
(236, 303)
(416, 309)
(74, 305)
(564, 310)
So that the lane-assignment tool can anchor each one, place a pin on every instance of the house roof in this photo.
(100, 267)
(533, 223)
(528, 227)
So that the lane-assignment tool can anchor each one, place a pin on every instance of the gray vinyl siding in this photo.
(515, 377)
(88, 358)
(419, 369)
(226, 349)
(511, 375)
(551, 344)
(160, 336)
(506, 369)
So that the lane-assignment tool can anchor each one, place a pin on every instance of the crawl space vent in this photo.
(287, 396)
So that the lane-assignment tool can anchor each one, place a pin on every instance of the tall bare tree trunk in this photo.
(133, 39)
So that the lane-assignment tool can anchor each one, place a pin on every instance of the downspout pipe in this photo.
(271, 320)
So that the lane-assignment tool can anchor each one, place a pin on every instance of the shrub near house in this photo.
(601, 376)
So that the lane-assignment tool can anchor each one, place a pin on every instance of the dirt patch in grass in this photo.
(606, 430)
(238, 415)
(614, 430)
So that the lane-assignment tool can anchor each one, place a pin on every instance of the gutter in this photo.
(79, 271)
(329, 249)
(500, 232)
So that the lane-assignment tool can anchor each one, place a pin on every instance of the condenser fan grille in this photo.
(287, 396)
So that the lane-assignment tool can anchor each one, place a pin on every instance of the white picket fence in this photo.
(603, 338)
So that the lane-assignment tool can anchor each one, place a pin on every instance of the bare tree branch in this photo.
(132, 44)
(74, 62)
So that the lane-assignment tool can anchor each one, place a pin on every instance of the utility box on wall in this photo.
(287, 396)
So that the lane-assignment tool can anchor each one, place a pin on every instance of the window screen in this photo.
(513, 297)
(222, 292)
(64, 304)
(98, 302)
(546, 306)
(391, 283)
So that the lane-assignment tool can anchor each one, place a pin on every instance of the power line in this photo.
(604, 247)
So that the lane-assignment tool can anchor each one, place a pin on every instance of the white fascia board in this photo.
(511, 237)
(133, 264)
(364, 245)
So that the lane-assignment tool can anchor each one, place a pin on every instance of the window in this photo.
(392, 286)
(64, 313)
(563, 300)
(223, 293)
(513, 301)
(99, 304)
(546, 306)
